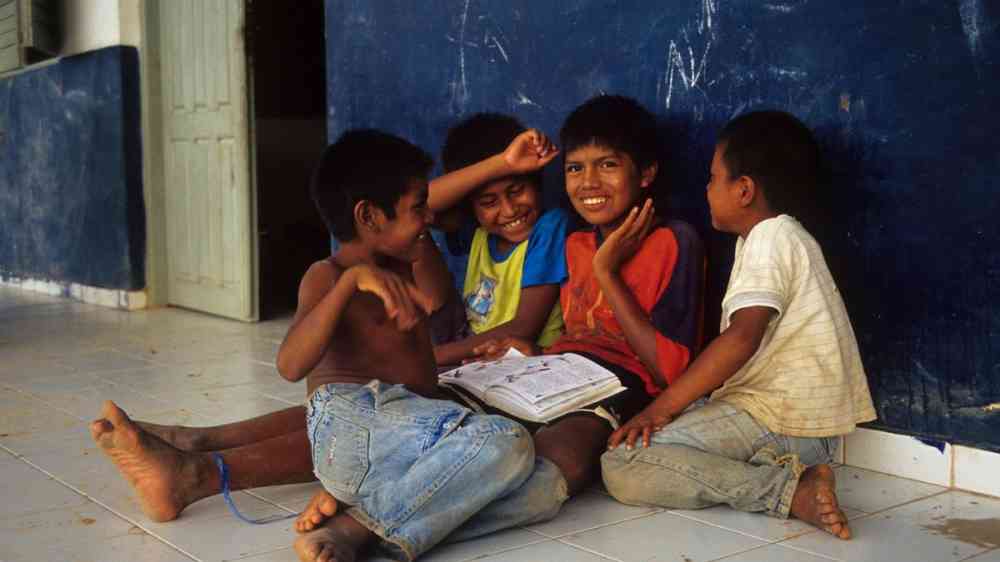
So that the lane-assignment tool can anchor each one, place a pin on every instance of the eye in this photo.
(609, 164)
(486, 202)
(515, 189)
(573, 168)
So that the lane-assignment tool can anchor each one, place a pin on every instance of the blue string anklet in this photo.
(224, 477)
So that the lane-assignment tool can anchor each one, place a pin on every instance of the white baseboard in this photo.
(959, 467)
(976, 470)
(112, 298)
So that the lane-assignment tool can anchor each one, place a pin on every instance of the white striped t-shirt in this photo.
(806, 378)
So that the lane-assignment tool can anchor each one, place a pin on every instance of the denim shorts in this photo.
(413, 469)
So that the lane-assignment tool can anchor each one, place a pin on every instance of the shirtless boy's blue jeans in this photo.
(714, 454)
(416, 470)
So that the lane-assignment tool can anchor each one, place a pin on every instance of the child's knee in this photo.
(621, 476)
(507, 447)
(544, 493)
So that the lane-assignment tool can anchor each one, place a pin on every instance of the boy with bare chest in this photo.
(412, 467)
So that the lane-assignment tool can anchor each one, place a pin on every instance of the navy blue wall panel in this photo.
(902, 94)
(71, 203)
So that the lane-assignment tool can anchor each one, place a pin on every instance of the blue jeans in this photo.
(714, 454)
(416, 470)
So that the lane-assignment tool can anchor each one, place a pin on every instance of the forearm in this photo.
(713, 367)
(308, 337)
(455, 352)
(639, 331)
(444, 192)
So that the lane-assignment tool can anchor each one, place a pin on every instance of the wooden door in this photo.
(208, 190)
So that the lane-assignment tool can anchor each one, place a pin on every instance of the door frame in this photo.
(153, 174)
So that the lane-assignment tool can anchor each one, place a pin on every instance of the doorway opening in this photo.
(288, 66)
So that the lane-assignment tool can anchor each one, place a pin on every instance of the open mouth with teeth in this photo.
(515, 224)
(593, 202)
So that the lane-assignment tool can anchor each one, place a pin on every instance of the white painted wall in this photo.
(95, 24)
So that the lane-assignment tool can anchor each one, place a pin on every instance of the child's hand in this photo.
(619, 246)
(403, 301)
(495, 349)
(645, 423)
(529, 151)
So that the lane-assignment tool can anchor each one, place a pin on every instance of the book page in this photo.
(533, 379)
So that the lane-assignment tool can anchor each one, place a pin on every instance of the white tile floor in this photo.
(61, 500)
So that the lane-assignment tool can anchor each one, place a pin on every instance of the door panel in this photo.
(210, 219)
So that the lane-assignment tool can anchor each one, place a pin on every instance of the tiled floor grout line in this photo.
(585, 549)
(255, 554)
(908, 502)
(271, 502)
(45, 402)
(981, 554)
(770, 544)
(595, 527)
(744, 533)
(507, 549)
(107, 507)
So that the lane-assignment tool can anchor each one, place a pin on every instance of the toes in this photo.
(115, 415)
(328, 507)
(839, 530)
(100, 427)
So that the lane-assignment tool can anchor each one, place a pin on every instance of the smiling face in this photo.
(508, 208)
(398, 237)
(604, 184)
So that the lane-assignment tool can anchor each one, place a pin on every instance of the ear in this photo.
(648, 175)
(746, 191)
(367, 216)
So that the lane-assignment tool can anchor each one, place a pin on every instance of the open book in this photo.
(537, 389)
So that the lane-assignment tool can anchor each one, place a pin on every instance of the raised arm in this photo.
(665, 337)
(529, 151)
(616, 249)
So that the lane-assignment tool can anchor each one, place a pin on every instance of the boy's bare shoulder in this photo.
(324, 271)
(318, 279)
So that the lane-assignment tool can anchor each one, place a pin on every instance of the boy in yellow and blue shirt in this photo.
(515, 250)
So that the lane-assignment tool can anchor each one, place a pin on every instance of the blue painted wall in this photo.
(903, 95)
(71, 203)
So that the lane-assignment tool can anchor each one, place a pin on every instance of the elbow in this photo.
(288, 369)
(438, 301)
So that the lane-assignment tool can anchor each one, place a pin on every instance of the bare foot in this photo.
(815, 501)
(321, 507)
(337, 541)
(183, 438)
(163, 477)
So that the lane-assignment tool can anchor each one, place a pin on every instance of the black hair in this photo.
(364, 164)
(480, 136)
(778, 152)
(615, 122)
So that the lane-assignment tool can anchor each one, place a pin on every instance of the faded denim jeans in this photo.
(714, 454)
(416, 470)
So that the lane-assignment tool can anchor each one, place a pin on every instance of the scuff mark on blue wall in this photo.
(902, 95)
(71, 202)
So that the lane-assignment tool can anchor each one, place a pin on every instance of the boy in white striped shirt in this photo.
(785, 369)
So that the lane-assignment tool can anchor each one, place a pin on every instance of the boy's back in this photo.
(806, 379)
